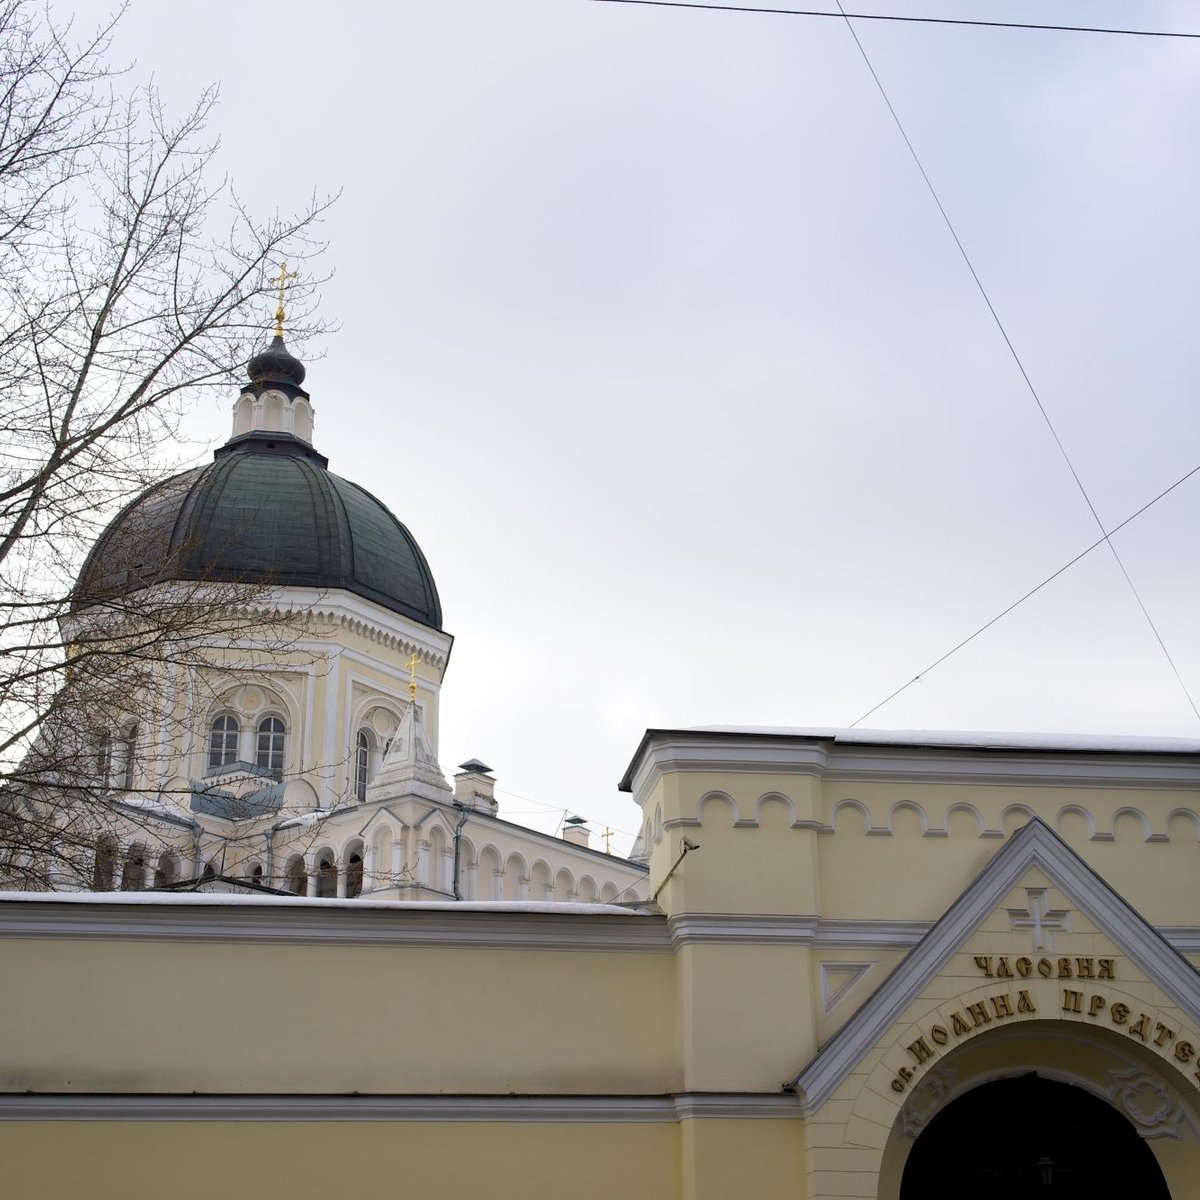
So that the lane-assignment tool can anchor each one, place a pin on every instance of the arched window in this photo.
(362, 763)
(354, 875)
(210, 871)
(105, 864)
(166, 871)
(326, 876)
(223, 741)
(128, 756)
(104, 756)
(133, 874)
(296, 878)
(254, 872)
(270, 745)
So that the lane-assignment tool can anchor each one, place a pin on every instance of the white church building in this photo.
(301, 754)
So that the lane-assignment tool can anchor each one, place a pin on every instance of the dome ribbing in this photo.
(265, 511)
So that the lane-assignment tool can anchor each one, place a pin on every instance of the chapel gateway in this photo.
(863, 964)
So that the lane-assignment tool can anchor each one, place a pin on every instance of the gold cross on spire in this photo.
(412, 678)
(282, 279)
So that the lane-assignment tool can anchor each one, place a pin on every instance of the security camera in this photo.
(688, 844)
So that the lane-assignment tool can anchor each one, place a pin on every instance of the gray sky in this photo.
(652, 336)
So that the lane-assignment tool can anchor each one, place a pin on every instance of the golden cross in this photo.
(282, 279)
(412, 678)
(608, 834)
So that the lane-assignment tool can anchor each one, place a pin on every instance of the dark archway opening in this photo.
(1034, 1139)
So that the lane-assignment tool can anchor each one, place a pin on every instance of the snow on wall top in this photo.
(972, 739)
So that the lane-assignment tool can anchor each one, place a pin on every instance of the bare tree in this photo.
(131, 281)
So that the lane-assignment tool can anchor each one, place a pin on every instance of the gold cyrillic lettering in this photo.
(1025, 1002)
(1095, 1004)
(897, 1086)
(1119, 1013)
(1083, 968)
(1064, 968)
(1164, 1034)
(1024, 967)
(958, 1025)
(939, 1035)
(1001, 1005)
(1106, 969)
(1184, 1051)
(984, 963)
(1002, 969)
(978, 1014)
(1045, 968)
(1072, 1000)
(1140, 1028)
(920, 1050)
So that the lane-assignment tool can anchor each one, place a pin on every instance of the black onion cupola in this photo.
(265, 511)
(276, 366)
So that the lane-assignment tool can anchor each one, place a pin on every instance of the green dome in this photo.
(265, 511)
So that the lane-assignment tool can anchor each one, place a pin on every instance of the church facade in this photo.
(886, 966)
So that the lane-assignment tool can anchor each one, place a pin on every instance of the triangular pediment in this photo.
(1030, 889)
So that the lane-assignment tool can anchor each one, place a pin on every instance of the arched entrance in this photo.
(1034, 1139)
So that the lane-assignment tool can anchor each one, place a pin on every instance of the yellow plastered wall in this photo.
(772, 842)
(744, 1015)
(742, 1159)
(109, 1160)
(143, 1016)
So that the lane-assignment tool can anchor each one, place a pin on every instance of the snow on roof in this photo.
(972, 739)
(224, 899)
(156, 807)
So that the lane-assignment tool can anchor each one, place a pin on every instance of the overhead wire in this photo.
(909, 20)
(847, 17)
(1105, 535)
(937, 662)
(558, 808)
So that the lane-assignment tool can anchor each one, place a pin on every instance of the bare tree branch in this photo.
(132, 282)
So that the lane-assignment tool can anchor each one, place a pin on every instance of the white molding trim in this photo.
(1185, 938)
(687, 929)
(1035, 845)
(302, 921)
(500, 1109)
(870, 935)
(834, 990)
(670, 751)
(738, 928)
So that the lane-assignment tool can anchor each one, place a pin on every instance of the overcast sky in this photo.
(654, 339)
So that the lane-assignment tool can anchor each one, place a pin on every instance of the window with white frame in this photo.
(362, 763)
(271, 735)
(128, 758)
(104, 757)
(223, 740)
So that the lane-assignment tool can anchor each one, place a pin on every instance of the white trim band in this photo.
(502, 1109)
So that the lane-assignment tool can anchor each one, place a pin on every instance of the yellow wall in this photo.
(319, 1160)
(717, 1011)
(206, 1017)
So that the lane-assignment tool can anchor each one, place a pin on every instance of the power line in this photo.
(812, 12)
(558, 808)
(1020, 365)
(846, 17)
(937, 662)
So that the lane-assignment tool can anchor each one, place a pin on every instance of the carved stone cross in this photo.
(1040, 919)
